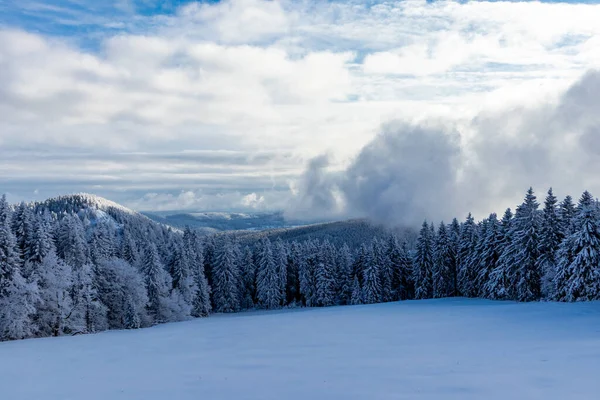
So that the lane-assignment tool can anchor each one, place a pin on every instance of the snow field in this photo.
(428, 349)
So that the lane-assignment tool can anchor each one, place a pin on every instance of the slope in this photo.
(431, 350)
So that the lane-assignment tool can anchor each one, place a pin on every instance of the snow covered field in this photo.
(427, 349)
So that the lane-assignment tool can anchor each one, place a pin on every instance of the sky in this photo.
(396, 110)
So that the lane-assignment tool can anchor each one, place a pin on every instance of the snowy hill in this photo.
(431, 350)
(94, 208)
(352, 232)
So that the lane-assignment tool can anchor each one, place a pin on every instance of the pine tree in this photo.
(526, 239)
(294, 263)
(344, 275)
(356, 297)
(489, 253)
(23, 228)
(454, 244)
(567, 214)
(466, 250)
(500, 285)
(226, 278)
(248, 278)
(308, 273)
(17, 296)
(280, 253)
(442, 265)
(129, 251)
(551, 235)
(102, 246)
(201, 306)
(423, 264)
(584, 270)
(157, 284)
(56, 305)
(380, 257)
(326, 276)
(371, 287)
(267, 277)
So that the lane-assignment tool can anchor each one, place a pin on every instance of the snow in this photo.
(426, 349)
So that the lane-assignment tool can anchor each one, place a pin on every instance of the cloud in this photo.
(93, 89)
(429, 171)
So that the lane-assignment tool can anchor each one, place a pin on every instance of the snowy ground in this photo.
(437, 349)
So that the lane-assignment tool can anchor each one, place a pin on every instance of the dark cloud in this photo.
(411, 172)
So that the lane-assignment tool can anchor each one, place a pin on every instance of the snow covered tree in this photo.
(501, 285)
(225, 278)
(386, 269)
(294, 265)
(582, 278)
(121, 288)
(23, 228)
(17, 296)
(267, 277)
(442, 265)
(129, 250)
(248, 279)
(55, 308)
(308, 273)
(356, 297)
(567, 214)
(466, 250)
(344, 275)
(526, 240)
(326, 276)
(454, 245)
(551, 235)
(489, 252)
(71, 244)
(371, 287)
(423, 264)
(280, 254)
(102, 246)
(157, 285)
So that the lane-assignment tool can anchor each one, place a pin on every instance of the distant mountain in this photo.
(353, 232)
(213, 222)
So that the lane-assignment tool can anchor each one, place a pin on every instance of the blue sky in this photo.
(222, 105)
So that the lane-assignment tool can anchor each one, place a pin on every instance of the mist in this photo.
(437, 170)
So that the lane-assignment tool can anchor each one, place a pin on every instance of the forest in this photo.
(81, 264)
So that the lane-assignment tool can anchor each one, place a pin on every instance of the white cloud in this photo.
(299, 77)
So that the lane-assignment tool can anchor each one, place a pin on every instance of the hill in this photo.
(353, 232)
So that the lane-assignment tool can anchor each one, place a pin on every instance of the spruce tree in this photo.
(17, 296)
(584, 243)
(371, 287)
(466, 250)
(454, 244)
(344, 275)
(526, 239)
(551, 235)
(356, 297)
(326, 275)
(225, 278)
(423, 264)
(490, 253)
(501, 285)
(267, 277)
(442, 265)
(157, 284)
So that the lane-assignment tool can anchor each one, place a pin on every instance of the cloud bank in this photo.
(435, 171)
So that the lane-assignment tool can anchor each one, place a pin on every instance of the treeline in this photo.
(67, 267)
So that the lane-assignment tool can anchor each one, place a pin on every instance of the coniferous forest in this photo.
(80, 264)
